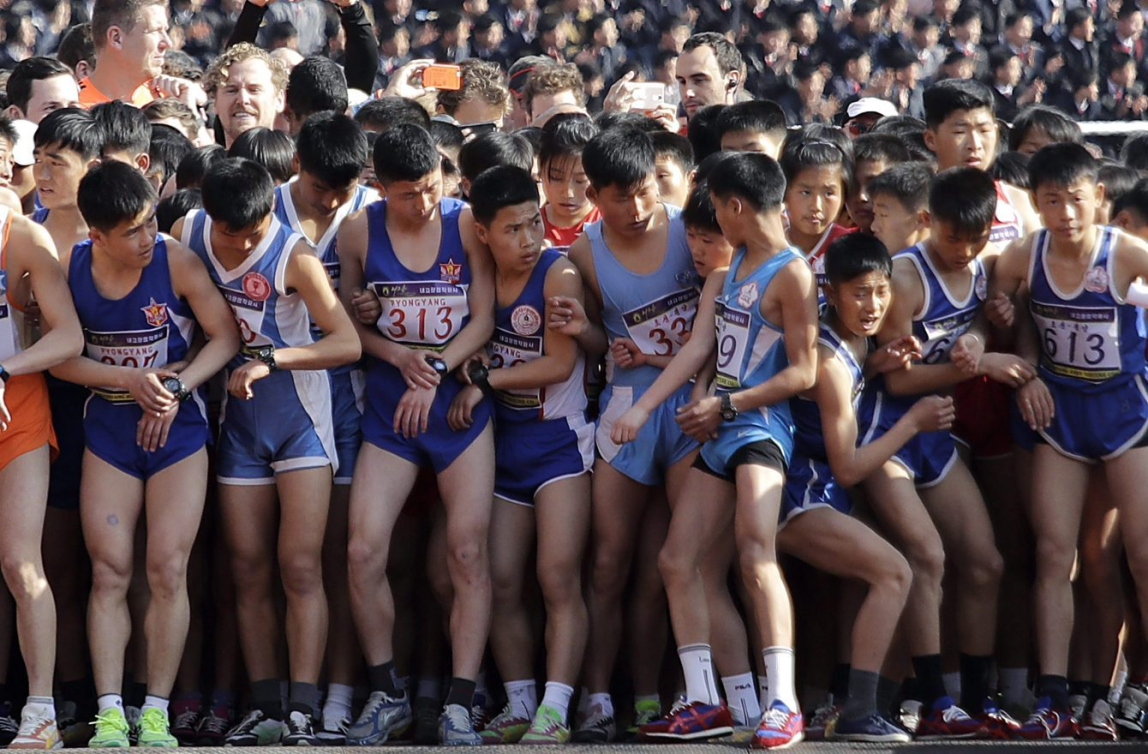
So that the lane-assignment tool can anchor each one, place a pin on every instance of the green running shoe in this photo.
(548, 727)
(155, 730)
(111, 730)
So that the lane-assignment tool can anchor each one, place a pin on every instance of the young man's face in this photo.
(814, 199)
(861, 303)
(967, 138)
(860, 207)
(1069, 212)
(895, 226)
(750, 141)
(322, 199)
(564, 184)
(47, 95)
(247, 99)
(147, 41)
(132, 242)
(954, 249)
(239, 241)
(709, 249)
(58, 173)
(701, 81)
(514, 236)
(673, 182)
(627, 211)
(415, 201)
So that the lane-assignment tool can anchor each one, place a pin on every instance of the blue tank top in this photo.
(1091, 336)
(808, 437)
(943, 317)
(267, 313)
(655, 310)
(149, 327)
(40, 215)
(518, 338)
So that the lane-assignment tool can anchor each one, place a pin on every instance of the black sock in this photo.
(839, 682)
(1078, 688)
(304, 697)
(1055, 687)
(887, 690)
(930, 679)
(461, 692)
(384, 678)
(862, 695)
(1096, 692)
(134, 694)
(975, 670)
(910, 689)
(265, 697)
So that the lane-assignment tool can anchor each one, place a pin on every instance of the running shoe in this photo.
(8, 726)
(382, 717)
(455, 728)
(824, 718)
(111, 730)
(1131, 717)
(155, 729)
(690, 721)
(255, 729)
(872, 729)
(333, 731)
(1076, 705)
(508, 726)
(646, 711)
(780, 728)
(1046, 723)
(37, 730)
(300, 729)
(213, 726)
(548, 727)
(186, 725)
(596, 728)
(1098, 723)
(996, 723)
(133, 715)
(426, 711)
(910, 716)
(946, 720)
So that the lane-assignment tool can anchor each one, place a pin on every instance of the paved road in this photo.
(718, 747)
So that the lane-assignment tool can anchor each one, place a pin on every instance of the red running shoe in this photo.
(779, 728)
(1046, 723)
(946, 720)
(1099, 723)
(690, 722)
(996, 723)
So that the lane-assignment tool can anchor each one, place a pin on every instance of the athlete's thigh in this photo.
(562, 511)
(758, 503)
(701, 515)
(957, 509)
(174, 500)
(511, 540)
(837, 544)
(110, 505)
(1059, 489)
(895, 503)
(304, 496)
(23, 498)
(1128, 485)
(467, 487)
(618, 502)
(380, 488)
(250, 516)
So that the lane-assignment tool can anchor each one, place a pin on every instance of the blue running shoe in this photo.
(872, 729)
(381, 718)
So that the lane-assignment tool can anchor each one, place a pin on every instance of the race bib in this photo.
(422, 314)
(1079, 342)
(508, 349)
(659, 328)
(732, 341)
(135, 349)
(941, 334)
(248, 311)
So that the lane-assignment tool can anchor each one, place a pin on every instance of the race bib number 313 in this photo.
(421, 313)
(659, 328)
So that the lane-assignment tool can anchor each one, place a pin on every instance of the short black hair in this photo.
(565, 137)
(805, 153)
(754, 178)
(854, 255)
(176, 206)
(609, 119)
(112, 193)
(1118, 180)
(946, 97)
(386, 112)
(759, 116)
(404, 152)
(885, 147)
(498, 187)
(77, 46)
(238, 193)
(446, 136)
(272, 149)
(965, 12)
(1134, 153)
(702, 131)
(927, 21)
(1134, 200)
(492, 149)
(898, 125)
(167, 149)
(1012, 168)
(73, 129)
(332, 148)
(1074, 17)
(26, 73)
(126, 128)
(194, 167)
(999, 57)
(706, 166)
(908, 183)
(1055, 124)
(965, 198)
(620, 157)
(699, 210)
(676, 147)
(315, 85)
(1062, 165)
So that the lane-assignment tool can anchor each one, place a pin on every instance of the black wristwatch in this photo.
(480, 378)
(439, 366)
(175, 386)
(266, 354)
(728, 412)
(5, 375)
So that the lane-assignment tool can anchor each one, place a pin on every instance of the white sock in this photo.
(44, 706)
(107, 701)
(1014, 685)
(952, 684)
(558, 696)
(1117, 689)
(524, 695)
(604, 702)
(338, 704)
(698, 670)
(763, 692)
(742, 700)
(779, 672)
(155, 702)
(429, 688)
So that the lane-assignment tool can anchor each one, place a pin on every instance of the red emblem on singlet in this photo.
(256, 286)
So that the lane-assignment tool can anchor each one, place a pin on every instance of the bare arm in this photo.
(480, 297)
(192, 282)
(582, 320)
(339, 344)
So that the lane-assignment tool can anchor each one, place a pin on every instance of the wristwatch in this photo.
(266, 354)
(480, 378)
(728, 412)
(439, 366)
(175, 386)
(4, 374)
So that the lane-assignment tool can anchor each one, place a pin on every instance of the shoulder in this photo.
(563, 278)
(180, 258)
(796, 270)
(23, 234)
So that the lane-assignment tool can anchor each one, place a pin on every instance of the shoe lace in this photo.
(109, 719)
(153, 721)
(298, 722)
(7, 724)
(33, 724)
(459, 717)
(775, 718)
(247, 724)
(597, 717)
(954, 713)
(212, 723)
(187, 719)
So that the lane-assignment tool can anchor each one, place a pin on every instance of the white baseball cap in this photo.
(870, 105)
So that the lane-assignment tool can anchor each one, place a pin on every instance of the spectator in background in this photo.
(805, 103)
(551, 40)
(1122, 97)
(451, 45)
(957, 65)
(130, 38)
(483, 98)
(1078, 47)
(489, 41)
(672, 35)
(854, 66)
(77, 51)
(805, 34)
(247, 87)
(1004, 78)
(710, 72)
(1080, 96)
(965, 36)
(769, 59)
(309, 19)
(861, 32)
(603, 48)
(1127, 37)
(38, 86)
(926, 45)
(1018, 39)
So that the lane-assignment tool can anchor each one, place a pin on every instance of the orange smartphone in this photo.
(442, 77)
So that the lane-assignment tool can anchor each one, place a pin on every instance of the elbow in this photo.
(807, 377)
(846, 478)
(350, 348)
(75, 342)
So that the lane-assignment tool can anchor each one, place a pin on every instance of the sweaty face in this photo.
(147, 41)
(894, 226)
(58, 173)
(132, 242)
(247, 98)
(862, 302)
(628, 211)
(814, 199)
(709, 249)
(967, 138)
(1069, 211)
(701, 81)
(515, 237)
(51, 94)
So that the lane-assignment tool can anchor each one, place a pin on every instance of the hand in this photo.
(1036, 404)
(152, 429)
(460, 414)
(475, 358)
(1006, 368)
(5, 416)
(620, 98)
(566, 315)
(417, 373)
(894, 355)
(627, 354)
(667, 115)
(242, 379)
(966, 353)
(701, 419)
(407, 81)
(413, 411)
(367, 306)
(187, 92)
(933, 413)
(1000, 311)
(628, 425)
(146, 387)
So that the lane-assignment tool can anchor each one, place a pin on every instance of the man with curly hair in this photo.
(247, 88)
(482, 98)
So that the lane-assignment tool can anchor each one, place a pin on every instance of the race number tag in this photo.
(135, 349)
(248, 313)
(508, 349)
(942, 334)
(659, 328)
(732, 340)
(1079, 342)
(422, 314)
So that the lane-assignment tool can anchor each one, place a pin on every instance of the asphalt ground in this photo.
(717, 747)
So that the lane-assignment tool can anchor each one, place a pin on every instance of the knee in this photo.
(302, 573)
(608, 570)
(467, 557)
(24, 575)
(1054, 561)
(926, 559)
(559, 582)
(986, 570)
(439, 577)
(675, 566)
(1137, 555)
(166, 576)
(108, 575)
(506, 588)
(366, 561)
(753, 556)
(895, 576)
